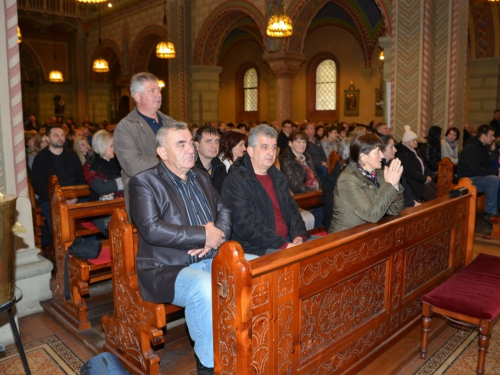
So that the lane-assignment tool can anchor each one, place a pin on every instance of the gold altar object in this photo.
(7, 255)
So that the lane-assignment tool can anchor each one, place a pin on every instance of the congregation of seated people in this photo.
(191, 188)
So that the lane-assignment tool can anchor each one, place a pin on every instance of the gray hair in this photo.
(162, 132)
(138, 80)
(262, 129)
(100, 141)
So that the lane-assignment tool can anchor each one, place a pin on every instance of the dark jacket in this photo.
(253, 221)
(101, 176)
(431, 154)
(218, 172)
(408, 195)
(495, 125)
(412, 170)
(282, 141)
(473, 160)
(165, 234)
(43, 168)
(328, 187)
(315, 150)
(357, 200)
(295, 172)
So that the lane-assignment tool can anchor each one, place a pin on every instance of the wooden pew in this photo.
(38, 218)
(65, 221)
(135, 325)
(333, 158)
(445, 177)
(309, 200)
(334, 304)
(70, 192)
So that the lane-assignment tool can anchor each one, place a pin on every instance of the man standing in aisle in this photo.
(135, 135)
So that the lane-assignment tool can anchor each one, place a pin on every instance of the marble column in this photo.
(284, 66)
(32, 271)
(205, 83)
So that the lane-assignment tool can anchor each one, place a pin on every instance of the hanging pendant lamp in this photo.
(55, 75)
(165, 49)
(100, 65)
(279, 25)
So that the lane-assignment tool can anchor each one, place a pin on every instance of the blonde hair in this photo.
(100, 141)
(77, 149)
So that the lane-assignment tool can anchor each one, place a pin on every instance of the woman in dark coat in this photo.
(297, 165)
(431, 150)
(415, 172)
(103, 174)
(389, 151)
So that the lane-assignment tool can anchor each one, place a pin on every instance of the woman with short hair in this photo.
(449, 145)
(103, 175)
(365, 193)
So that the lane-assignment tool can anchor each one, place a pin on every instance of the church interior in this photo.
(402, 62)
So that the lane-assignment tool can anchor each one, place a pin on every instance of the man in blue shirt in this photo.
(134, 137)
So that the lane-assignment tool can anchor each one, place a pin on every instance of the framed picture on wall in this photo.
(379, 102)
(351, 101)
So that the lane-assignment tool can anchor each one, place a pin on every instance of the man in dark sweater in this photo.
(55, 160)
(495, 123)
(315, 150)
(206, 142)
(473, 163)
(286, 130)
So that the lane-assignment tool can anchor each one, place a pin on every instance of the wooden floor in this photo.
(177, 353)
(177, 356)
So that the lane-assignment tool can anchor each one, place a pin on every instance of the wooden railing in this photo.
(334, 304)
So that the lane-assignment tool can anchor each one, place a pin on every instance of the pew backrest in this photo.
(333, 158)
(445, 177)
(336, 302)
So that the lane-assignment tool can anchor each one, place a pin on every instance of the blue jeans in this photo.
(193, 291)
(490, 186)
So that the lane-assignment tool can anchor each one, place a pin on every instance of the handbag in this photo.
(81, 248)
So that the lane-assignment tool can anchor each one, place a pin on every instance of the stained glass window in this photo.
(326, 86)
(250, 88)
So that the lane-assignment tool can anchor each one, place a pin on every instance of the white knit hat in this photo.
(408, 135)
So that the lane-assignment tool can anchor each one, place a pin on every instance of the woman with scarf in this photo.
(416, 173)
(449, 145)
(365, 192)
(103, 175)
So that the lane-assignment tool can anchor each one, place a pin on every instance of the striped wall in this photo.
(17, 159)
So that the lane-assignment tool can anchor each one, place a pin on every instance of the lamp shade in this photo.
(165, 50)
(161, 83)
(91, 1)
(279, 26)
(55, 76)
(100, 66)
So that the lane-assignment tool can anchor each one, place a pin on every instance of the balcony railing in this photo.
(62, 7)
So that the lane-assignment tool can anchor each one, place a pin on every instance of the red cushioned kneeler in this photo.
(472, 296)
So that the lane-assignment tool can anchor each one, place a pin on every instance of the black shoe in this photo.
(202, 370)
(488, 216)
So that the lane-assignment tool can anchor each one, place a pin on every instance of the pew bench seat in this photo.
(471, 296)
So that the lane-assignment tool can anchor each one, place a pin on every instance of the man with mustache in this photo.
(134, 137)
(265, 216)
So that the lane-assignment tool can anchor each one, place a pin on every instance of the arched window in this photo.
(247, 92)
(250, 88)
(326, 86)
(323, 88)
